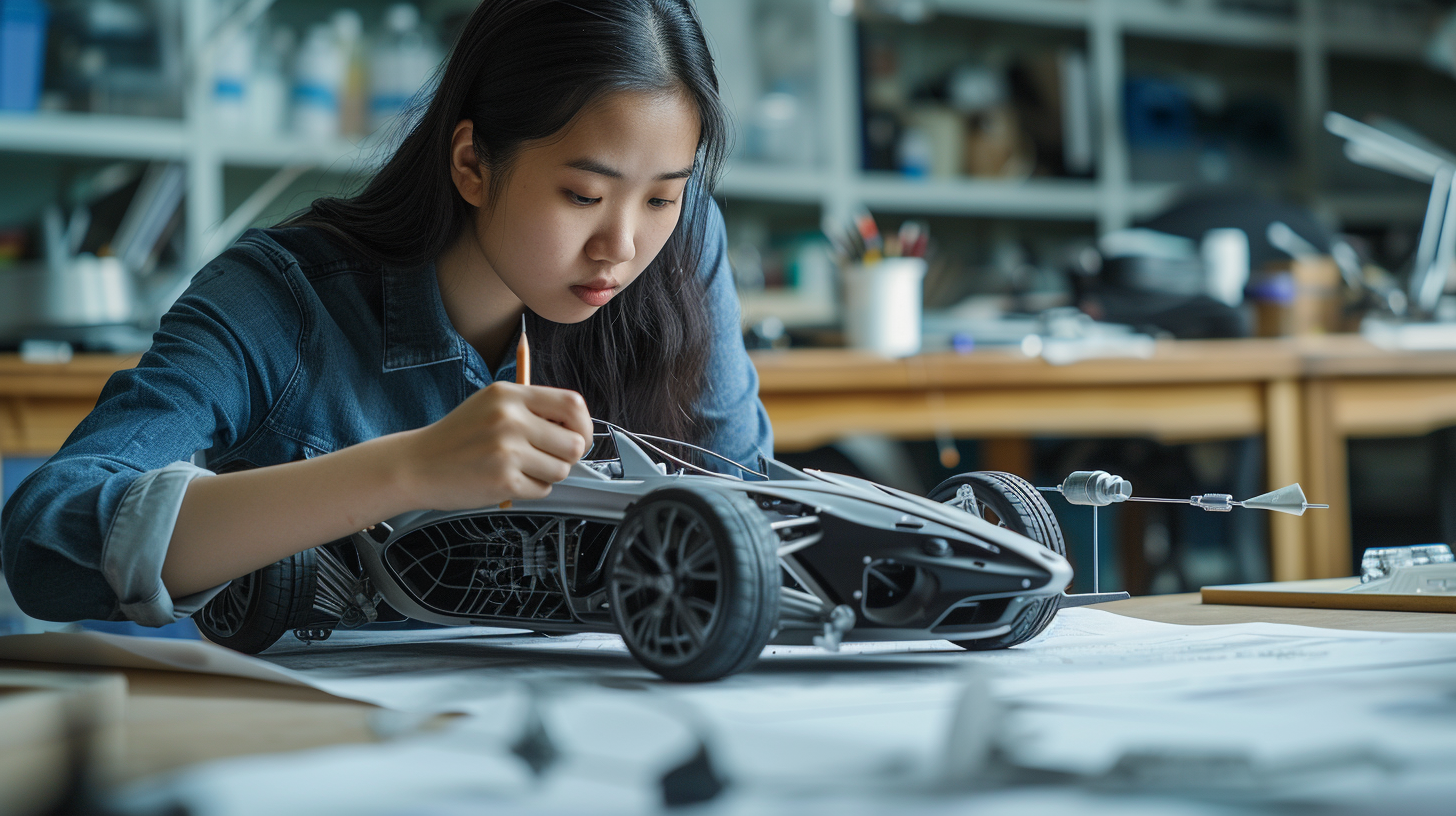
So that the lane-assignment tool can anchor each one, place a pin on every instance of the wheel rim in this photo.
(667, 583)
(225, 614)
(965, 499)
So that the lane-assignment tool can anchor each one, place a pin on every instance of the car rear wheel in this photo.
(1012, 502)
(254, 611)
(694, 582)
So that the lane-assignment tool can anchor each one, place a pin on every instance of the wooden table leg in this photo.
(1326, 482)
(1288, 551)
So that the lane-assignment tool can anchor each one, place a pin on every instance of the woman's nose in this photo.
(613, 242)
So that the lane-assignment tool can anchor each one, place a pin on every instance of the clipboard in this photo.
(1325, 593)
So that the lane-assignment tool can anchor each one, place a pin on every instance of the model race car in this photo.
(696, 570)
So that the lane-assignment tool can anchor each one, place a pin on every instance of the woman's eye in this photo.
(660, 203)
(581, 199)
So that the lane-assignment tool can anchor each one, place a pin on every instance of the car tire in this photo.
(253, 612)
(1014, 503)
(693, 582)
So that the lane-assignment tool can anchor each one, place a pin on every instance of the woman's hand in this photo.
(506, 441)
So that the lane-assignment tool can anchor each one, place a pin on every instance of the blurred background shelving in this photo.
(801, 77)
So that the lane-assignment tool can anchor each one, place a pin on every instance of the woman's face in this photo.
(583, 213)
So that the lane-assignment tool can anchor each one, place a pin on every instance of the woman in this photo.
(356, 362)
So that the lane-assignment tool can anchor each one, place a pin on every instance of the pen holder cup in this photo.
(882, 304)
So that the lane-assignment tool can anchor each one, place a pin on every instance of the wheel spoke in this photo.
(687, 535)
(706, 607)
(700, 555)
(652, 537)
(631, 564)
(226, 614)
(690, 623)
(629, 584)
(664, 543)
(671, 636)
(639, 562)
(643, 620)
(702, 575)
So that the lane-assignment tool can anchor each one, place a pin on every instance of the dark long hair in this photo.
(521, 70)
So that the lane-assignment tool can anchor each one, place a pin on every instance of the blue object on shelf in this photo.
(22, 53)
(1159, 114)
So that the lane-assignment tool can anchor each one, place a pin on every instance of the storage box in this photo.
(22, 53)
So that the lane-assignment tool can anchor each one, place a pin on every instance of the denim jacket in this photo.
(282, 348)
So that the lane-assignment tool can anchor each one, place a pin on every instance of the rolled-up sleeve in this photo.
(738, 425)
(136, 545)
(85, 535)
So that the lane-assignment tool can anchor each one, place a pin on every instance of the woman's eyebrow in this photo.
(594, 166)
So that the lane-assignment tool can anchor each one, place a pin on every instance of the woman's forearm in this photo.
(504, 441)
(234, 523)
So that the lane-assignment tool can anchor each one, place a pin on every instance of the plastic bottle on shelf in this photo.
(232, 74)
(318, 79)
(349, 32)
(268, 90)
(402, 62)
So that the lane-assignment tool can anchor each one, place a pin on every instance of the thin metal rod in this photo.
(1096, 588)
(641, 439)
(1165, 501)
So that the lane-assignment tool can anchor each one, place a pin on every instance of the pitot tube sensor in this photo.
(1098, 488)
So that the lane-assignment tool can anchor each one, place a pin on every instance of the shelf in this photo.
(1034, 198)
(773, 183)
(1203, 26)
(96, 135)
(788, 305)
(334, 155)
(135, 137)
(1038, 198)
(1155, 20)
(1376, 207)
(1063, 13)
(1403, 47)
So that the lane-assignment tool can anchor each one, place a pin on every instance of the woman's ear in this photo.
(469, 176)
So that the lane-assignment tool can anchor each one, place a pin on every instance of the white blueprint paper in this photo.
(1249, 713)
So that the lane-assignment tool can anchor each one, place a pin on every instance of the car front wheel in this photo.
(694, 582)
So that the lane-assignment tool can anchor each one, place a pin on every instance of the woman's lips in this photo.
(594, 295)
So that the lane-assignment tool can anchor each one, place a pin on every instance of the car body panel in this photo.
(909, 568)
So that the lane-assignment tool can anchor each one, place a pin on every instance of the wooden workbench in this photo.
(1305, 396)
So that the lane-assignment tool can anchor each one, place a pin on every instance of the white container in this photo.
(268, 90)
(1226, 262)
(318, 85)
(231, 73)
(402, 63)
(882, 306)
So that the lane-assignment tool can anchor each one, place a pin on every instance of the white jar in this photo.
(882, 306)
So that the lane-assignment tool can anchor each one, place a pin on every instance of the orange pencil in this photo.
(523, 373)
(523, 357)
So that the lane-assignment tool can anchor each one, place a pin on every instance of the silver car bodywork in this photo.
(860, 562)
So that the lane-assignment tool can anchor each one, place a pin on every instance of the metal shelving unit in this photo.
(837, 186)
(190, 140)
(1111, 199)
